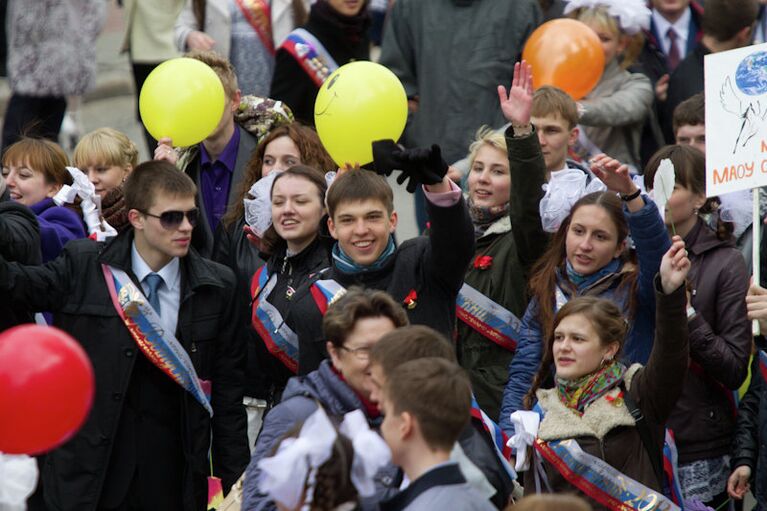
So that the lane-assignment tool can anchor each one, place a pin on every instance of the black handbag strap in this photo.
(644, 433)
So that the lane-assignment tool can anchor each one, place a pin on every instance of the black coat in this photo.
(685, 82)
(432, 267)
(19, 242)
(73, 287)
(291, 84)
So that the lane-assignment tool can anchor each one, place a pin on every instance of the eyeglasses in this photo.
(172, 219)
(362, 353)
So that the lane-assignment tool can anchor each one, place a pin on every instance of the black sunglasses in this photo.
(172, 219)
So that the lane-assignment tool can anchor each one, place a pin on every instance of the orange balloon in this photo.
(567, 54)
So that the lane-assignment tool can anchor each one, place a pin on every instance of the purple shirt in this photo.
(216, 179)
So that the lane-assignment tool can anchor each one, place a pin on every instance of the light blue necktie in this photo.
(153, 282)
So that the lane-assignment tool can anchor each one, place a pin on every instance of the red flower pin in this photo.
(483, 262)
(410, 299)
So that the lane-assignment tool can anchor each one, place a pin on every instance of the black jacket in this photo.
(429, 269)
(685, 81)
(131, 394)
(291, 84)
(19, 242)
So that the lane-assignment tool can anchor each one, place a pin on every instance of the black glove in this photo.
(420, 166)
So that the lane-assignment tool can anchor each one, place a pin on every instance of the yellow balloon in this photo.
(359, 103)
(182, 99)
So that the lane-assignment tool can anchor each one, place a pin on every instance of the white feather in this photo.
(663, 184)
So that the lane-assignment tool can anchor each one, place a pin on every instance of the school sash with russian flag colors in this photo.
(670, 469)
(599, 480)
(259, 17)
(313, 58)
(496, 434)
(490, 319)
(160, 347)
(325, 292)
(280, 340)
(763, 364)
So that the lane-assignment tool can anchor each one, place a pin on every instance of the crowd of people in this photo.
(553, 340)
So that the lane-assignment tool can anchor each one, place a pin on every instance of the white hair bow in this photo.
(296, 462)
(258, 210)
(525, 430)
(19, 476)
(90, 203)
(370, 451)
(632, 15)
(562, 191)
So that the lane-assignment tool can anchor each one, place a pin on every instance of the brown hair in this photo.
(223, 68)
(310, 148)
(437, 393)
(550, 502)
(600, 15)
(271, 239)
(543, 281)
(356, 304)
(605, 317)
(690, 112)
(410, 343)
(40, 155)
(105, 146)
(151, 178)
(723, 19)
(358, 186)
(333, 484)
(549, 100)
(690, 172)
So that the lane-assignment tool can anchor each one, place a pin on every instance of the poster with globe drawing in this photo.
(736, 119)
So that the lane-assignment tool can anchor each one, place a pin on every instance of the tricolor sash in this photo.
(325, 292)
(280, 340)
(490, 319)
(599, 480)
(313, 58)
(160, 347)
(259, 17)
(763, 364)
(670, 469)
(499, 437)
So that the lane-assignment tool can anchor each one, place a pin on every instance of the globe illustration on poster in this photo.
(751, 76)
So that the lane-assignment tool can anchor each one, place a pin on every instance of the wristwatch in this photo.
(633, 195)
(691, 312)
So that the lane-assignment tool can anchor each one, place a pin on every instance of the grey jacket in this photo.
(299, 401)
(615, 111)
(453, 57)
(442, 487)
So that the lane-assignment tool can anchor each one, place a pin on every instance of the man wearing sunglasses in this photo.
(146, 441)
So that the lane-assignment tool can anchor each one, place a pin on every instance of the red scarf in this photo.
(370, 408)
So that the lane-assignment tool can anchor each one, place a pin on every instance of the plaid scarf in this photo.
(578, 394)
(483, 217)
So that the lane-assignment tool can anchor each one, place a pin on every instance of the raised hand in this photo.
(418, 166)
(674, 266)
(517, 104)
(613, 174)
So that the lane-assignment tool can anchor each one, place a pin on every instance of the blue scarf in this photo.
(345, 263)
(575, 277)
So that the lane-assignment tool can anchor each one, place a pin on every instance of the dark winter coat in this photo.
(19, 242)
(291, 84)
(429, 269)
(685, 81)
(607, 429)
(720, 343)
(514, 243)
(72, 286)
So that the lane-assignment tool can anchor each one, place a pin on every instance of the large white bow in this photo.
(633, 15)
(525, 430)
(258, 210)
(90, 203)
(283, 475)
(18, 474)
(370, 451)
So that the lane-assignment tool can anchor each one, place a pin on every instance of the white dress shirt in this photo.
(681, 27)
(169, 291)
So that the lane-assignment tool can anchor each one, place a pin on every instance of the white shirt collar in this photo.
(170, 272)
(681, 27)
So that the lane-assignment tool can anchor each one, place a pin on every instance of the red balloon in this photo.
(46, 388)
(567, 54)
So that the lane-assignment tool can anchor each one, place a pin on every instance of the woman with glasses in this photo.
(35, 171)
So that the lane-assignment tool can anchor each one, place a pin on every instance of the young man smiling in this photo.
(146, 441)
(423, 274)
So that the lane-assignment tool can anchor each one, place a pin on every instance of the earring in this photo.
(695, 211)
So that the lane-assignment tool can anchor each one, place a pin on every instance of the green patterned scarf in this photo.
(577, 394)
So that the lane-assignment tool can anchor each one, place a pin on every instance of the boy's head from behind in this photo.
(689, 122)
(400, 346)
(361, 214)
(427, 404)
(555, 116)
(730, 22)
